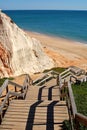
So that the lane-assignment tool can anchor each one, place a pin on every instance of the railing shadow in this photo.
(48, 122)
(48, 109)
(31, 115)
(50, 116)
(40, 92)
(50, 92)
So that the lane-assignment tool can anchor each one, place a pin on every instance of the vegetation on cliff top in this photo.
(3, 79)
(57, 69)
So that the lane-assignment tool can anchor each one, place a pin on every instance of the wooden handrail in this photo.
(4, 101)
(7, 82)
(3, 87)
(49, 77)
(27, 82)
(52, 72)
(81, 119)
(67, 74)
(78, 117)
(71, 96)
(14, 84)
(60, 81)
(64, 72)
(7, 97)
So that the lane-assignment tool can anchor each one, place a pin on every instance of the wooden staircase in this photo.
(41, 110)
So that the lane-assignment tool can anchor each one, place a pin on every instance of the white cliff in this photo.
(20, 53)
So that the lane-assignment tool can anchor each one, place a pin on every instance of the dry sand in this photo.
(63, 51)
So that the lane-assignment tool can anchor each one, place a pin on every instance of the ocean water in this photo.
(66, 24)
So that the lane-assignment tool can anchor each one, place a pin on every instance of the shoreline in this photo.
(58, 37)
(63, 51)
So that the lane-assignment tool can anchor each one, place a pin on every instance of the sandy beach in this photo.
(64, 52)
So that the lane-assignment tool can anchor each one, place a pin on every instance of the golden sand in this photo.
(63, 51)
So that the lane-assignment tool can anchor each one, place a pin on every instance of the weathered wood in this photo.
(44, 114)
(77, 71)
(3, 103)
(6, 94)
(3, 87)
(81, 119)
(64, 72)
(66, 75)
(7, 89)
(54, 73)
(16, 90)
(40, 115)
(42, 77)
(71, 96)
(15, 94)
(47, 78)
(40, 111)
(0, 117)
(15, 84)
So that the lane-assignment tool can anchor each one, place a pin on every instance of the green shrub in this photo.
(66, 125)
(3, 79)
(57, 69)
(80, 95)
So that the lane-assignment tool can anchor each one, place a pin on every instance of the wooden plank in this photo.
(37, 115)
(15, 101)
(35, 127)
(36, 120)
(19, 110)
(66, 75)
(43, 103)
(17, 114)
(74, 109)
(44, 80)
(3, 87)
(64, 72)
(58, 112)
(6, 127)
(81, 119)
(15, 84)
(37, 108)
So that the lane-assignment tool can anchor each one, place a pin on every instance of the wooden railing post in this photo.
(6, 94)
(58, 80)
(7, 89)
(77, 126)
(0, 117)
(22, 90)
(16, 90)
(8, 101)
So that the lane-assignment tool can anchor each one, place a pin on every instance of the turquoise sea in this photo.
(66, 24)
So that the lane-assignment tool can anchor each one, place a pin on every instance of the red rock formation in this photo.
(5, 57)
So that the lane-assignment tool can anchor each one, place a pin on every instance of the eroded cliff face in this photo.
(20, 53)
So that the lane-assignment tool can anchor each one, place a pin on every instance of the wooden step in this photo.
(41, 110)
(28, 102)
(34, 127)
